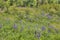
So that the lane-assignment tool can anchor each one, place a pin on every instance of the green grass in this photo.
(27, 23)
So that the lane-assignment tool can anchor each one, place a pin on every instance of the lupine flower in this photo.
(43, 28)
(15, 26)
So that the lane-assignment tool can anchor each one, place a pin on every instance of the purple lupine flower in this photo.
(15, 26)
(43, 28)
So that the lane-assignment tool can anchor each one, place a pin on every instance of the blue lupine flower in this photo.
(15, 26)
(43, 28)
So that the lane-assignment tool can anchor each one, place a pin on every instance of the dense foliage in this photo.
(30, 3)
(29, 19)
